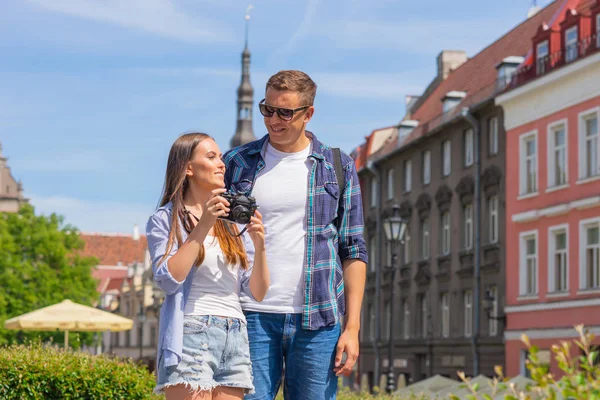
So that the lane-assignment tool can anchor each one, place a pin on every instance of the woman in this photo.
(203, 342)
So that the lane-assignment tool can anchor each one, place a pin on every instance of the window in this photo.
(406, 323)
(557, 154)
(493, 219)
(598, 31)
(468, 302)
(528, 265)
(589, 144)
(446, 233)
(590, 236)
(445, 315)
(446, 157)
(528, 161)
(493, 135)
(372, 253)
(388, 319)
(407, 176)
(424, 316)
(571, 45)
(468, 226)
(558, 259)
(426, 167)
(493, 323)
(407, 246)
(468, 147)
(425, 239)
(542, 58)
(373, 192)
(153, 336)
(390, 184)
(128, 338)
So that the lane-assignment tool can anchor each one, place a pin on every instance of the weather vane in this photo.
(248, 9)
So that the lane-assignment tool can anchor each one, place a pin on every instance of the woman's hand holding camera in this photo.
(256, 230)
(214, 208)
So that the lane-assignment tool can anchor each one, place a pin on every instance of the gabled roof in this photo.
(114, 250)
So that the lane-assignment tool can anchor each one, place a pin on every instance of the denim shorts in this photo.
(215, 353)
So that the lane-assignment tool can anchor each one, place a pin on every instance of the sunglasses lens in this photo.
(285, 113)
(266, 110)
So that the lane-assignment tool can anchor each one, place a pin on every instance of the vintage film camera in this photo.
(241, 208)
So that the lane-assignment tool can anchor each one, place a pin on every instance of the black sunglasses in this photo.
(286, 114)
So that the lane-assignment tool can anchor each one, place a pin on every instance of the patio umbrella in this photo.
(69, 316)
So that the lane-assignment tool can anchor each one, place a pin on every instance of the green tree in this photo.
(40, 265)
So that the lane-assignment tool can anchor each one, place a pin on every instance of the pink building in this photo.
(551, 114)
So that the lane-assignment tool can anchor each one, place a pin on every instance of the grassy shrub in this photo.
(36, 372)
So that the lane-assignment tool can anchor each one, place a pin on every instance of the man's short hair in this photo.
(295, 81)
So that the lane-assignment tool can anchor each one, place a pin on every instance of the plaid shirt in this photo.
(334, 226)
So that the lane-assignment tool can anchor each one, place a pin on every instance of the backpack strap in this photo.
(339, 172)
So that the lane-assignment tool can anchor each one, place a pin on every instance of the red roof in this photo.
(114, 249)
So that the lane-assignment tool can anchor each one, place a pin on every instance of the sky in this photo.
(94, 92)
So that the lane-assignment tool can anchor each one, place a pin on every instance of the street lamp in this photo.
(394, 228)
(488, 305)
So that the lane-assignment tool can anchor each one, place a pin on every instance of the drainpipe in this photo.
(377, 174)
(466, 113)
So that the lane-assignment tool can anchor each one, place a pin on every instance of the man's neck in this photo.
(299, 145)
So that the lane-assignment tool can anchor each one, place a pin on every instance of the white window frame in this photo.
(469, 148)
(407, 176)
(553, 181)
(524, 267)
(541, 66)
(584, 225)
(390, 183)
(523, 162)
(447, 157)
(468, 226)
(493, 135)
(426, 167)
(493, 218)
(553, 231)
(445, 304)
(583, 159)
(374, 190)
(373, 253)
(425, 239)
(446, 233)
(571, 55)
(493, 323)
(468, 312)
(406, 320)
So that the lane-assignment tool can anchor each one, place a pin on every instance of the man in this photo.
(315, 248)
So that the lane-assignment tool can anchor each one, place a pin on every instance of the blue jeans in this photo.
(277, 340)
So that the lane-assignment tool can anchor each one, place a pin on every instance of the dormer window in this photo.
(406, 127)
(451, 100)
(541, 61)
(506, 70)
(571, 45)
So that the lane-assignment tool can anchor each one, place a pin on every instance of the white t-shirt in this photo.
(215, 289)
(280, 191)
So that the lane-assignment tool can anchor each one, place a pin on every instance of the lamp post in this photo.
(488, 305)
(394, 228)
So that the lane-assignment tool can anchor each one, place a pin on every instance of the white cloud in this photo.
(371, 85)
(95, 216)
(159, 17)
(413, 36)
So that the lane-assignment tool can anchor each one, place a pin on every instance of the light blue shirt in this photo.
(170, 338)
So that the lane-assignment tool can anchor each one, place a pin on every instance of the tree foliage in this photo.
(40, 265)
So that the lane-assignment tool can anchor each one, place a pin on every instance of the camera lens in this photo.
(241, 215)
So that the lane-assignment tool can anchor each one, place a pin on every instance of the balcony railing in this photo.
(544, 65)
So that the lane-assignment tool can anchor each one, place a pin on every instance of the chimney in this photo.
(448, 61)
(136, 232)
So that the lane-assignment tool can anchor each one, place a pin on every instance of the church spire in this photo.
(245, 94)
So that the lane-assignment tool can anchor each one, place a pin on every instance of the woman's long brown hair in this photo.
(174, 190)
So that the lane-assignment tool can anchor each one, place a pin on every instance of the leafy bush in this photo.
(35, 372)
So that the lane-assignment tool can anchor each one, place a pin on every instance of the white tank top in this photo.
(215, 289)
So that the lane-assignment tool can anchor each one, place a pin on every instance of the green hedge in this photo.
(35, 371)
